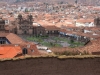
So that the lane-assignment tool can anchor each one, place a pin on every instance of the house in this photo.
(52, 30)
(85, 23)
(93, 47)
(38, 30)
(13, 42)
(25, 25)
(2, 24)
(97, 22)
(74, 35)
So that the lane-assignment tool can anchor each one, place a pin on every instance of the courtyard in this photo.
(54, 41)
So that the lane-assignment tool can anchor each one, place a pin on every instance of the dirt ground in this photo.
(51, 66)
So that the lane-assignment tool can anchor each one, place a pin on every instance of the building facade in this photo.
(25, 26)
(2, 24)
(97, 22)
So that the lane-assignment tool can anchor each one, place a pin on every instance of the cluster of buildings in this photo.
(75, 22)
(11, 45)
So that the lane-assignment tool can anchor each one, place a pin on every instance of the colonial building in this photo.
(25, 26)
(52, 30)
(2, 24)
(38, 30)
(97, 22)
(12, 45)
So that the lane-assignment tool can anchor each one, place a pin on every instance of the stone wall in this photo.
(51, 66)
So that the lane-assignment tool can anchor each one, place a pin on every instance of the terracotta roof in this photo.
(9, 51)
(35, 50)
(90, 35)
(93, 47)
(63, 30)
(14, 39)
(51, 28)
(11, 18)
(85, 20)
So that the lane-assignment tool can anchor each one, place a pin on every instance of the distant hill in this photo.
(90, 2)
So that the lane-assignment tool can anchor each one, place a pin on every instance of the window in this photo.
(6, 22)
(46, 31)
(53, 31)
(2, 42)
(32, 51)
(25, 32)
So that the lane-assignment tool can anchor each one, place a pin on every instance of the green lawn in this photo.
(60, 39)
(75, 44)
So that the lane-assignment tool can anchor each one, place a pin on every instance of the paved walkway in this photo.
(65, 44)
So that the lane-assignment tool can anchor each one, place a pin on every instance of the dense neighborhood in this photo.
(41, 28)
(49, 37)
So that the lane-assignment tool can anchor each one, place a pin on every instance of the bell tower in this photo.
(20, 18)
(25, 25)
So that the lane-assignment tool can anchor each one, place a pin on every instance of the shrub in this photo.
(67, 53)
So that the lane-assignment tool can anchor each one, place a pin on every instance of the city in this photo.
(43, 28)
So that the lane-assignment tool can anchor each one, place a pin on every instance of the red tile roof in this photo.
(13, 38)
(16, 40)
(93, 47)
(9, 51)
(51, 28)
(34, 49)
(11, 19)
(85, 20)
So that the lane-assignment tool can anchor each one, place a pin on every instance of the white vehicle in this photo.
(42, 48)
(49, 51)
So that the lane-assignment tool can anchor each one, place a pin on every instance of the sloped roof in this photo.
(51, 28)
(85, 20)
(13, 38)
(93, 47)
(35, 50)
(9, 51)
